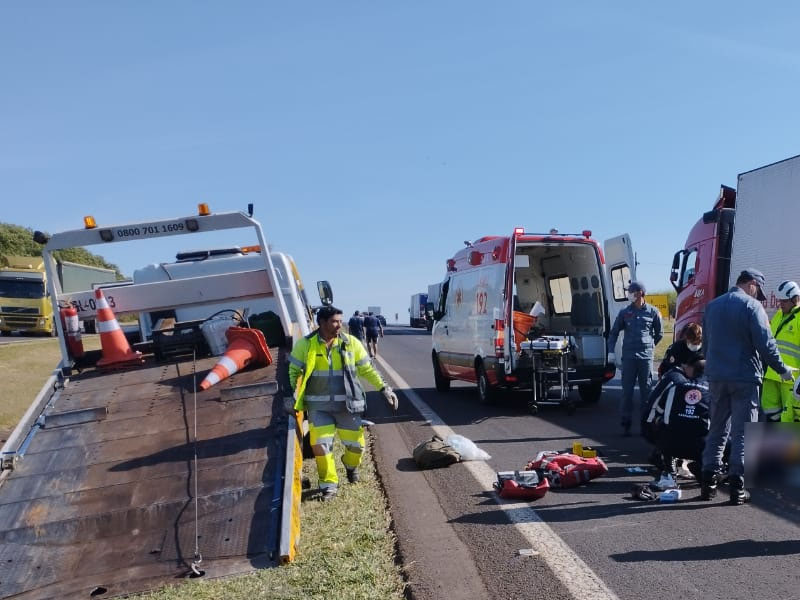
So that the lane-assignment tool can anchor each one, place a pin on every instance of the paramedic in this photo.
(777, 400)
(641, 323)
(684, 350)
(324, 367)
(736, 339)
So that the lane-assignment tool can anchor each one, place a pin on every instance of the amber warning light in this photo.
(203, 210)
(89, 222)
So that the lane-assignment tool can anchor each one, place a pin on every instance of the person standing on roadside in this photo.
(641, 323)
(736, 339)
(356, 326)
(374, 330)
(324, 368)
(777, 401)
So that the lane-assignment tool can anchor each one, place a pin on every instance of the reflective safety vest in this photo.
(788, 340)
(320, 373)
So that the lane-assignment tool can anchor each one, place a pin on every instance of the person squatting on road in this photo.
(641, 323)
(677, 419)
(685, 348)
(325, 367)
(777, 401)
(737, 337)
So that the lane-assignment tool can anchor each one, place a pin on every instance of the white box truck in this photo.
(750, 226)
(417, 310)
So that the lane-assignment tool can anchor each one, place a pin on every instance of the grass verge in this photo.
(346, 551)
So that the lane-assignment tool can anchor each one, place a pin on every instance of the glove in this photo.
(789, 375)
(391, 397)
(612, 358)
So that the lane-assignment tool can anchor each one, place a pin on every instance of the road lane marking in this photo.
(568, 567)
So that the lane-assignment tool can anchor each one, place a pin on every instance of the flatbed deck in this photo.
(103, 501)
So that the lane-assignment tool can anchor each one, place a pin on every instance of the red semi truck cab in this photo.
(701, 270)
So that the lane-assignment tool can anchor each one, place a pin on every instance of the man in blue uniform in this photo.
(736, 338)
(641, 323)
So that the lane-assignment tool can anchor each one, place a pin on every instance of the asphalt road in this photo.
(17, 338)
(456, 541)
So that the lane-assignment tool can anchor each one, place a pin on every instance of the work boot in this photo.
(739, 495)
(708, 485)
(352, 475)
(329, 493)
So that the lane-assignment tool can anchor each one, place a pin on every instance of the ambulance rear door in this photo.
(620, 271)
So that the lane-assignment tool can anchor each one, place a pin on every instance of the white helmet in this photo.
(796, 389)
(787, 290)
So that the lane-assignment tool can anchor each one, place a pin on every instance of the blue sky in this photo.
(374, 137)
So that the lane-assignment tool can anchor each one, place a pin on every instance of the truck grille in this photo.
(19, 317)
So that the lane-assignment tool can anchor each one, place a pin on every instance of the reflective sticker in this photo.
(229, 365)
(693, 396)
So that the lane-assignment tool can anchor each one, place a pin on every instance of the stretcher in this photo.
(550, 360)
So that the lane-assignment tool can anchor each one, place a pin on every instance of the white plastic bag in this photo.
(466, 448)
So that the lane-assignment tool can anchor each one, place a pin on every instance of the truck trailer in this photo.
(417, 310)
(749, 226)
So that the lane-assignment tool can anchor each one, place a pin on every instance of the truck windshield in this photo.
(16, 288)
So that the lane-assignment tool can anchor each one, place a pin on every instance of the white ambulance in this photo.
(492, 285)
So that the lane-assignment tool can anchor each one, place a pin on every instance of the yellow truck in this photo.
(24, 302)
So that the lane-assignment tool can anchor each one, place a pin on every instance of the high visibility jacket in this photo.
(319, 373)
(788, 339)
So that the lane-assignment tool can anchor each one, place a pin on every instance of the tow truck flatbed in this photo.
(103, 502)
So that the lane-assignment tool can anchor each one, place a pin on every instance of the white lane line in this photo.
(568, 567)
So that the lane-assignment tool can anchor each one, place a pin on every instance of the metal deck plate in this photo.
(110, 504)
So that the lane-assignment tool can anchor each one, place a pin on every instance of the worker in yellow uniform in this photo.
(324, 367)
(777, 401)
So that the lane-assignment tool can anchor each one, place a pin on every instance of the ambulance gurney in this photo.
(521, 485)
(566, 470)
(550, 363)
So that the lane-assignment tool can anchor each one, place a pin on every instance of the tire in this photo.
(590, 392)
(486, 393)
(442, 382)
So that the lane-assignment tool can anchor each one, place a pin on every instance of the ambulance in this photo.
(483, 320)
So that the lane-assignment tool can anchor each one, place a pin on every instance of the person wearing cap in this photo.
(777, 401)
(641, 323)
(736, 338)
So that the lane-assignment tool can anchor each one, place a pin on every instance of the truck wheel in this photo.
(590, 392)
(486, 393)
(442, 382)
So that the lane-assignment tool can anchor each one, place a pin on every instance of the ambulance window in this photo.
(689, 268)
(561, 294)
(620, 278)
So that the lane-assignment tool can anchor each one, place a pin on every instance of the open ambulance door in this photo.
(620, 271)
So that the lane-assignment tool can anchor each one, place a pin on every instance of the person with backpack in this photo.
(677, 419)
(324, 368)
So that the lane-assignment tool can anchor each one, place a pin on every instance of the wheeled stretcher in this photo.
(550, 360)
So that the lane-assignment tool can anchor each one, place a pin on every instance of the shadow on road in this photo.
(727, 550)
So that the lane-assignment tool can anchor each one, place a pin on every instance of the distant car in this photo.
(382, 320)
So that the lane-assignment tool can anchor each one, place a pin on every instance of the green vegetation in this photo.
(18, 241)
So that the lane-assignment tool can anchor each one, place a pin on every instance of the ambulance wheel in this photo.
(442, 382)
(590, 392)
(486, 393)
(533, 407)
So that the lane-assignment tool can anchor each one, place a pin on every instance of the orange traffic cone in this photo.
(116, 349)
(245, 346)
